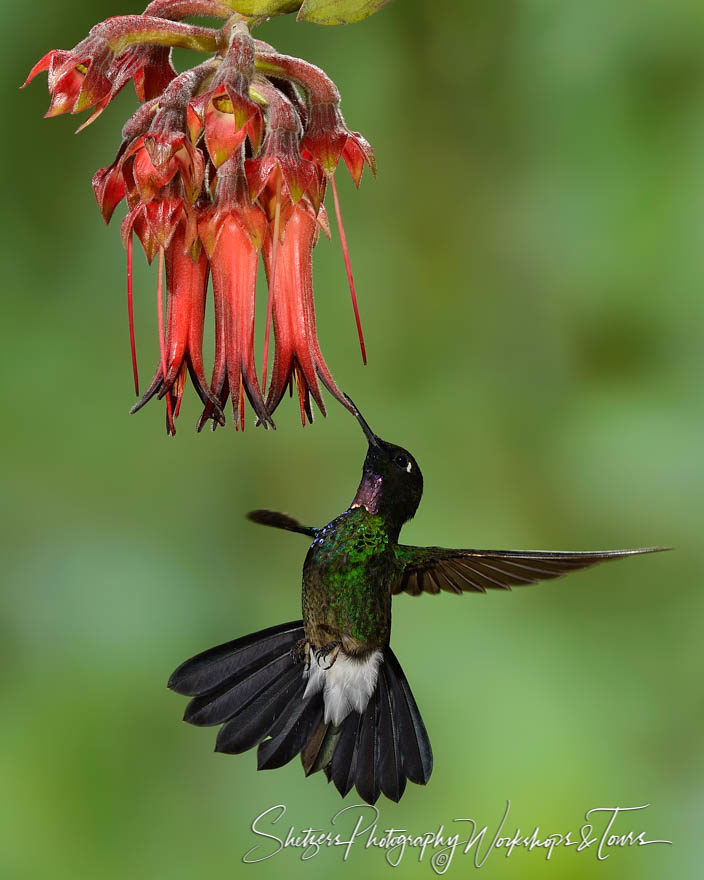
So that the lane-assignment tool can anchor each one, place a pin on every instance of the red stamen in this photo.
(272, 280)
(301, 387)
(348, 268)
(162, 347)
(130, 313)
(180, 385)
(241, 404)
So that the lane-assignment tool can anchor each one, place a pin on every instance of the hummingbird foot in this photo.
(301, 652)
(331, 650)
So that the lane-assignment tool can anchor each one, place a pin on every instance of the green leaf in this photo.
(255, 8)
(332, 12)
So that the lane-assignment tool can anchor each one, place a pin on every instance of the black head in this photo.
(392, 483)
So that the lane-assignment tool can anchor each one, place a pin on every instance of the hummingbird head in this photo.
(392, 482)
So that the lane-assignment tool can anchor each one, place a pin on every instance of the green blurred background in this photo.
(530, 270)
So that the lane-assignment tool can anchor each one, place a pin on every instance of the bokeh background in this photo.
(530, 270)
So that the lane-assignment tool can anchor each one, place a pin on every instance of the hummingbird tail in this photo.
(256, 688)
(378, 750)
(246, 685)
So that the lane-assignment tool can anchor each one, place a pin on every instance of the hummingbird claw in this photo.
(331, 649)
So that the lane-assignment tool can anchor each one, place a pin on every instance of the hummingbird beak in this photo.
(368, 433)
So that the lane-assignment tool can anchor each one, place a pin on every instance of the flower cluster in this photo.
(221, 164)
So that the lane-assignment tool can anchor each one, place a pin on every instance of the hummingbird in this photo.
(329, 687)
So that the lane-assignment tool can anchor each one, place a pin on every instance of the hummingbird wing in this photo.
(431, 569)
(280, 521)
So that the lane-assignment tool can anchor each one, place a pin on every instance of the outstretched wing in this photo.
(280, 521)
(432, 569)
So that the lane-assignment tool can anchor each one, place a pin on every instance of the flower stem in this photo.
(320, 88)
(264, 8)
(129, 30)
(176, 10)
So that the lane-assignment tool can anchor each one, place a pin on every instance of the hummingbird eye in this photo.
(402, 461)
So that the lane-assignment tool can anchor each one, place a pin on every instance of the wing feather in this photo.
(436, 569)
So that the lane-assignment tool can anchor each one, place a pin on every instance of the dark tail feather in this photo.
(365, 772)
(252, 723)
(254, 687)
(392, 780)
(290, 736)
(208, 670)
(344, 761)
(380, 750)
(320, 748)
(416, 754)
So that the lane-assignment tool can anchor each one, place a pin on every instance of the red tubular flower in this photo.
(232, 232)
(281, 152)
(161, 173)
(155, 150)
(154, 223)
(186, 288)
(87, 76)
(297, 354)
(156, 159)
(157, 168)
(325, 140)
(165, 150)
(109, 183)
(279, 177)
(149, 67)
(202, 210)
(224, 111)
(77, 79)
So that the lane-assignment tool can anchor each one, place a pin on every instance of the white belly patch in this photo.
(347, 685)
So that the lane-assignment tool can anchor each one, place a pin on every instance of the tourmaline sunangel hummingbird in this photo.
(329, 687)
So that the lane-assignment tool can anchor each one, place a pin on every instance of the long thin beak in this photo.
(368, 433)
